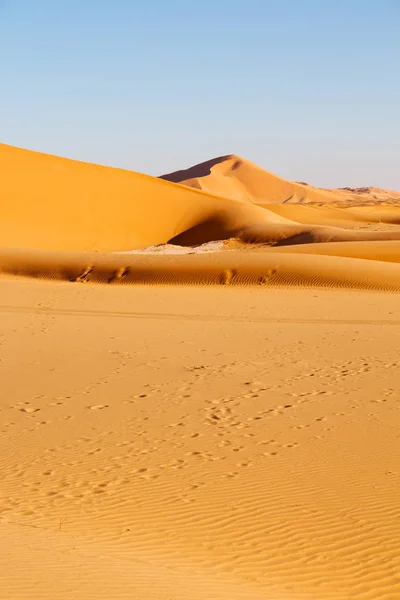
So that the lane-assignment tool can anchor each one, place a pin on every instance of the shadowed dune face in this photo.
(200, 170)
(207, 231)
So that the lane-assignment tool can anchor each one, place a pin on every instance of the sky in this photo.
(307, 89)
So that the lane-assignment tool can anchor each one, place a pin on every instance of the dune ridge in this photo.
(234, 177)
(349, 217)
(367, 195)
(226, 268)
(62, 204)
(55, 203)
(387, 251)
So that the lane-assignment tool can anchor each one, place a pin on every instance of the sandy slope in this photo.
(205, 443)
(234, 177)
(335, 216)
(52, 203)
(278, 267)
(388, 251)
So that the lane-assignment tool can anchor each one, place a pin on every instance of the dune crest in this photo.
(280, 266)
(368, 195)
(54, 203)
(234, 177)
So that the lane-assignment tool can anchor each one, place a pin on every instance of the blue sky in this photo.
(308, 89)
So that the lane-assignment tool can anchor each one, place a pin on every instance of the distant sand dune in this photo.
(334, 216)
(234, 177)
(387, 251)
(368, 195)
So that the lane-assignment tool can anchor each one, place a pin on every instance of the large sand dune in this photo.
(53, 203)
(216, 422)
(234, 177)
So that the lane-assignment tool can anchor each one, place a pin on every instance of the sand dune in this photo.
(334, 216)
(55, 203)
(387, 251)
(234, 177)
(367, 195)
(199, 386)
(219, 268)
(67, 205)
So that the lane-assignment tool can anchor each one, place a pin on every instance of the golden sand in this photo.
(58, 204)
(212, 426)
(202, 442)
(234, 177)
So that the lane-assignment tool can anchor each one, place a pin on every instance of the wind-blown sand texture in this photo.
(198, 442)
(215, 420)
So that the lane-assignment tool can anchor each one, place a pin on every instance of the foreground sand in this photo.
(192, 442)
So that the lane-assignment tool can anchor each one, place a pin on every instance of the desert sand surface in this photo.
(278, 266)
(205, 442)
(199, 386)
